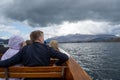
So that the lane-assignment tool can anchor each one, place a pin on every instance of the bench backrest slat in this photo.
(33, 72)
(33, 69)
(32, 75)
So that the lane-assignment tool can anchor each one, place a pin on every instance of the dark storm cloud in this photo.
(44, 12)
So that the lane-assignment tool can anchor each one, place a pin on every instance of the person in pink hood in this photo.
(15, 44)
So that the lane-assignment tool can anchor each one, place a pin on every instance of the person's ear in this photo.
(40, 39)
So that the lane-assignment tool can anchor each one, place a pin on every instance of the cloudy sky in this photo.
(59, 17)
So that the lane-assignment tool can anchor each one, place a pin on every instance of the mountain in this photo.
(83, 38)
(5, 41)
(80, 38)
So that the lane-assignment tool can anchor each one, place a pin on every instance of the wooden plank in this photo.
(33, 72)
(33, 75)
(68, 75)
(34, 69)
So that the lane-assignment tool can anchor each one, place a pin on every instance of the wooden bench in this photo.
(33, 72)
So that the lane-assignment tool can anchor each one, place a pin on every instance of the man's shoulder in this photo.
(45, 46)
(25, 47)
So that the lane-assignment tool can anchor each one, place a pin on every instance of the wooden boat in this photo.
(71, 70)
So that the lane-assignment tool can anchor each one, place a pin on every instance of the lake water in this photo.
(100, 60)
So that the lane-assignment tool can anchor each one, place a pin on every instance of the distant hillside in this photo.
(80, 38)
(114, 40)
(5, 41)
(85, 38)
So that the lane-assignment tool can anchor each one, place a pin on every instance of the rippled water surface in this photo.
(100, 60)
